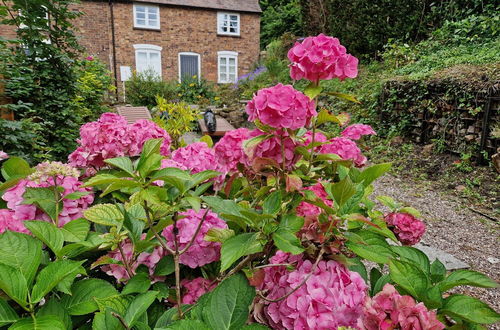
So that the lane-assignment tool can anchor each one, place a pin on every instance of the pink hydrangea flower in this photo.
(111, 136)
(273, 148)
(229, 149)
(306, 209)
(172, 163)
(198, 157)
(71, 209)
(3, 155)
(9, 222)
(119, 271)
(332, 297)
(281, 106)
(318, 137)
(345, 148)
(201, 252)
(321, 58)
(389, 310)
(356, 131)
(195, 288)
(408, 229)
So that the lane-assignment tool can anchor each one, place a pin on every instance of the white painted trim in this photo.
(219, 31)
(146, 26)
(227, 54)
(179, 63)
(147, 47)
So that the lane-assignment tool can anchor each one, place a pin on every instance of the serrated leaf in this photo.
(46, 232)
(347, 97)
(207, 140)
(13, 284)
(370, 246)
(409, 277)
(414, 255)
(373, 172)
(21, 252)
(237, 247)
(324, 116)
(7, 314)
(272, 204)
(379, 285)
(84, 292)
(201, 177)
(469, 309)
(466, 277)
(438, 271)
(123, 163)
(15, 166)
(76, 230)
(106, 320)
(119, 184)
(43, 198)
(104, 214)
(140, 283)
(228, 306)
(55, 308)
(389, 202)
(342, 191)
(134, 227)
(101, 179)
(77, 195)
(186, 325)
(286, 241)
(139, 306)
(52, 274)
(291, 223)
(219, 234)
(313, 90)
(45, 322)
(165, 266)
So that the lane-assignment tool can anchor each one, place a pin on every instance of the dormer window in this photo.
(228, 24)
(146, 16)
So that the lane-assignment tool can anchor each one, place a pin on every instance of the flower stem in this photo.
(125, 262)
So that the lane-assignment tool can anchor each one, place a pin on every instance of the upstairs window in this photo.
(146, 16)
(228, 24)
(228, 67)
(148, 59)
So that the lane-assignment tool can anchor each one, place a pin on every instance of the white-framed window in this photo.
(228, 67)
(146, 16)
(228, 24)
(148, 58)
(189, 65)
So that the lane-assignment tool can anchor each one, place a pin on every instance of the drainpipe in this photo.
(113, 42)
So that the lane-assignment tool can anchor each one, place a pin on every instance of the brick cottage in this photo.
(215, 39)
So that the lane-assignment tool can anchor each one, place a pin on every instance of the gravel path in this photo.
(453, 228)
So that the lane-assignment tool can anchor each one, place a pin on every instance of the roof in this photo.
(232, 5)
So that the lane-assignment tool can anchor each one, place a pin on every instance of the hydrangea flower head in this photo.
(321, 58)
(9, 222)
(345, 148)
(318, 137)
(195, 288)
(274, 148)
(143, 130)
(229, 149)
(332, 297)
(356, 131)
(281, 107)
(201, 252)
(408, 229)
(389, 310)
(3, 155)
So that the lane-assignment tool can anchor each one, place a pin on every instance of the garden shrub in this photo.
(269, 228)
(23, 138)
(195, 91)
(142, 89)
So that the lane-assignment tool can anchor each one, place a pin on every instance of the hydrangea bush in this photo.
(274, 227)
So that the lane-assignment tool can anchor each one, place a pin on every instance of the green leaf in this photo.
(43, 198)
(138, 306)
(150, 157)
(186, 325)
(84, 292)
(249, 144)
(104, 214)
(219, 234)
(208, 140)
(272, 204)
(358, 267)
(229, 304)
(15, 166)
(286, 241)
(432, 298)
(47, 233)
(123, 163)
(165, 266)
(389, 202)
(438, 271)
(370, 246)
(21, 252)
(13, 284)
(372, 173)
(237, 247)
(119, 184)
(375, 275)
(254, 326)
(170, 315)
(201, 177)
(291, 223)
(140, 283)
(414, 255)
(134, 227)
(45, 322)
(77, 195)
(313, 90)
(343, 190)
(76, 230)
(101, 179)
(347, 97)
(379, 285)
(466, 277)
(194, 202)
(171, 172)
(51, 275)
(410, 210)
(469, 309)
(7, 314)
(409, 277)
(324, 116)
(55, 308)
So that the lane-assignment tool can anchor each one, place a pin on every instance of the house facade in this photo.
(215, 39)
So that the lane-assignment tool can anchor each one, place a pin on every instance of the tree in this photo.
(279, 17)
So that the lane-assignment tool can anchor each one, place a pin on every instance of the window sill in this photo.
(228, 35)
(147, 28)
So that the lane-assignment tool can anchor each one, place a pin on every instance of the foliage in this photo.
(142, 89)
(195, 91)
(294, 214)
(43, 76)
(176, 118)
(280, 17)
(23, 138)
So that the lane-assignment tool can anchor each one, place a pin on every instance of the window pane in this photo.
(232, 61)
(140, 15)
(152, 22)
(234, 18)
(232, 77)
(140, 9)
(232, 69)
(141, 22)
(152, 16)
(223, 77)
(153, 56)
(223, 61)
(152, 10)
